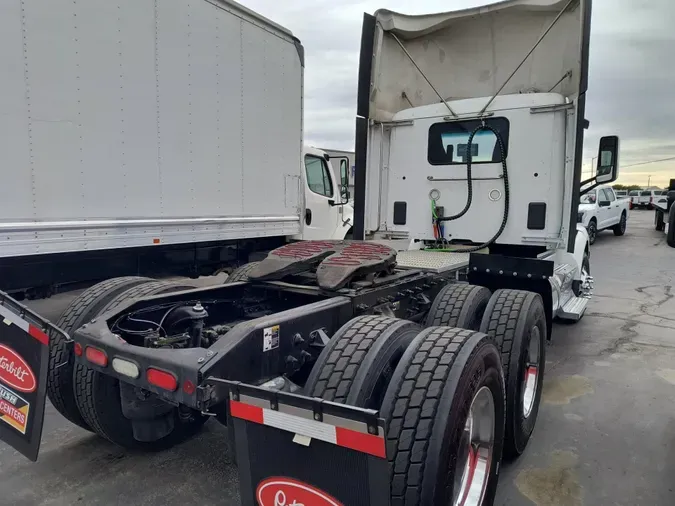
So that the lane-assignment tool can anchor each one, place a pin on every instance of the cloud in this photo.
(631, 75)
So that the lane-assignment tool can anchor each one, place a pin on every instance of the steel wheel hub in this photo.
(475, 451)
(531, 374)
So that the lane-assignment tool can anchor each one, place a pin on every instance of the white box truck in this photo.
(142, 137)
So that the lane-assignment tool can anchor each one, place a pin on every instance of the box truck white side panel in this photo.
(136, 122)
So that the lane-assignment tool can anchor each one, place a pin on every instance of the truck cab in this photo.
(462, 151)
(327, 214)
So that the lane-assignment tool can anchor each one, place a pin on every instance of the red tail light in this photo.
(96, 356)
(651, 200)
(162, 379)
(189, 387)
(78, 349)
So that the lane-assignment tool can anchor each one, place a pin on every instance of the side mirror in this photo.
(603, 203)
(607, 169)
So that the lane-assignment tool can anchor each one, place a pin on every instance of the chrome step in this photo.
(573, 309)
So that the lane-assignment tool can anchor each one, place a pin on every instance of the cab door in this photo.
(320, 197)
(604, 209)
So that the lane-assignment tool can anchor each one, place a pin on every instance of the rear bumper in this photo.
(238, 355)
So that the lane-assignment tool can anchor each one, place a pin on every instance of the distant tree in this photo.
(628, 187)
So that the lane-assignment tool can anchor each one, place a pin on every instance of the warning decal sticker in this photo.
(13, 409)
(270, 338)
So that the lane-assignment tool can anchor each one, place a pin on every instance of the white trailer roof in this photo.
(246, 13)
(471, 53)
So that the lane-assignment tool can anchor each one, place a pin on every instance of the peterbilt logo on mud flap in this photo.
(15, 372)
(289, 492)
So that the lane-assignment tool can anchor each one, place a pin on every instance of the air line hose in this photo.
(469, 199)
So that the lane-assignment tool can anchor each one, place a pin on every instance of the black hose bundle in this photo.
(469, 199)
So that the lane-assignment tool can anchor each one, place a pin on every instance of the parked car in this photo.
(646, 199)
(633, 195)
(621, 193)
(600, 209)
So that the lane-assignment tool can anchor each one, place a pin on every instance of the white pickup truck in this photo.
(645, 198)
(600, 209)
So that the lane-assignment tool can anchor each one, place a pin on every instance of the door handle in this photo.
(308, 216)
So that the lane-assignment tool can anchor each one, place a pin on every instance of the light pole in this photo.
(649, 181)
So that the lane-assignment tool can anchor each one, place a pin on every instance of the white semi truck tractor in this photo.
(399, 368)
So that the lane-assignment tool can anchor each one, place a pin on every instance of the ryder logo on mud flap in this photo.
(281, 491)
(15, 372)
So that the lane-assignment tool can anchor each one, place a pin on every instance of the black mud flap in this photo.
(293, 449)
(24, 357)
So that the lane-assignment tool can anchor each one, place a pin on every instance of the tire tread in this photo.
(241, 273)
(80, 310)
(90, 400)
(447, 308)
(416, 401)
(347, 352)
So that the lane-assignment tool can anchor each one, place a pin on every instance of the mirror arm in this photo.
(595, 184)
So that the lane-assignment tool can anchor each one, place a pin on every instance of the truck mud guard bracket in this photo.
(516, 273)
(513, 267)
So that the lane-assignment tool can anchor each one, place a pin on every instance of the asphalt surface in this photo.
(605, 433)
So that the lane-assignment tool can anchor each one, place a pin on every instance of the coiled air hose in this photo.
(469, 198)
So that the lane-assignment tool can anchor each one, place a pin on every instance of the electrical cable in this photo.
(505, 217)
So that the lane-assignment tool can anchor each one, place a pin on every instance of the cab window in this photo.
(318, 177)
(448, 142)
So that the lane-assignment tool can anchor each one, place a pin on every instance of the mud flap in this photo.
(293, 449)
(24, 357)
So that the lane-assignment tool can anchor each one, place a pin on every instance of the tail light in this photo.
(96, 356)
(78, 349)
(125, 368)
(162, 379)
(651, 200)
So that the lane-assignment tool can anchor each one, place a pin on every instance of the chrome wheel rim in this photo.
(591, 232)
(475, 451)
(531, 373)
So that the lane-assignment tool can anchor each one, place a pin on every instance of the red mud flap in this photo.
(293, 449)
(24, 356)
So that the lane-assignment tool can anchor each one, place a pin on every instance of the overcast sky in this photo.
(631, 87)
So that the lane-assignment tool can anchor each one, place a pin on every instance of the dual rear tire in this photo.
(438, 384)
(92, 399)
(477, 393)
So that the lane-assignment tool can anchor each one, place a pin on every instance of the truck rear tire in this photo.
(458, 305)
(61, 364)
(444, 393)
(356, 365)
(620, 228)
(670, 237)
(98, 395)
(517, 321)
(241, 273)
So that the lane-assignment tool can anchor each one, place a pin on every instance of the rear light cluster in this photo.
(156, 377)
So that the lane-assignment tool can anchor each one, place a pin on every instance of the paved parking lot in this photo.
(605, 435)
